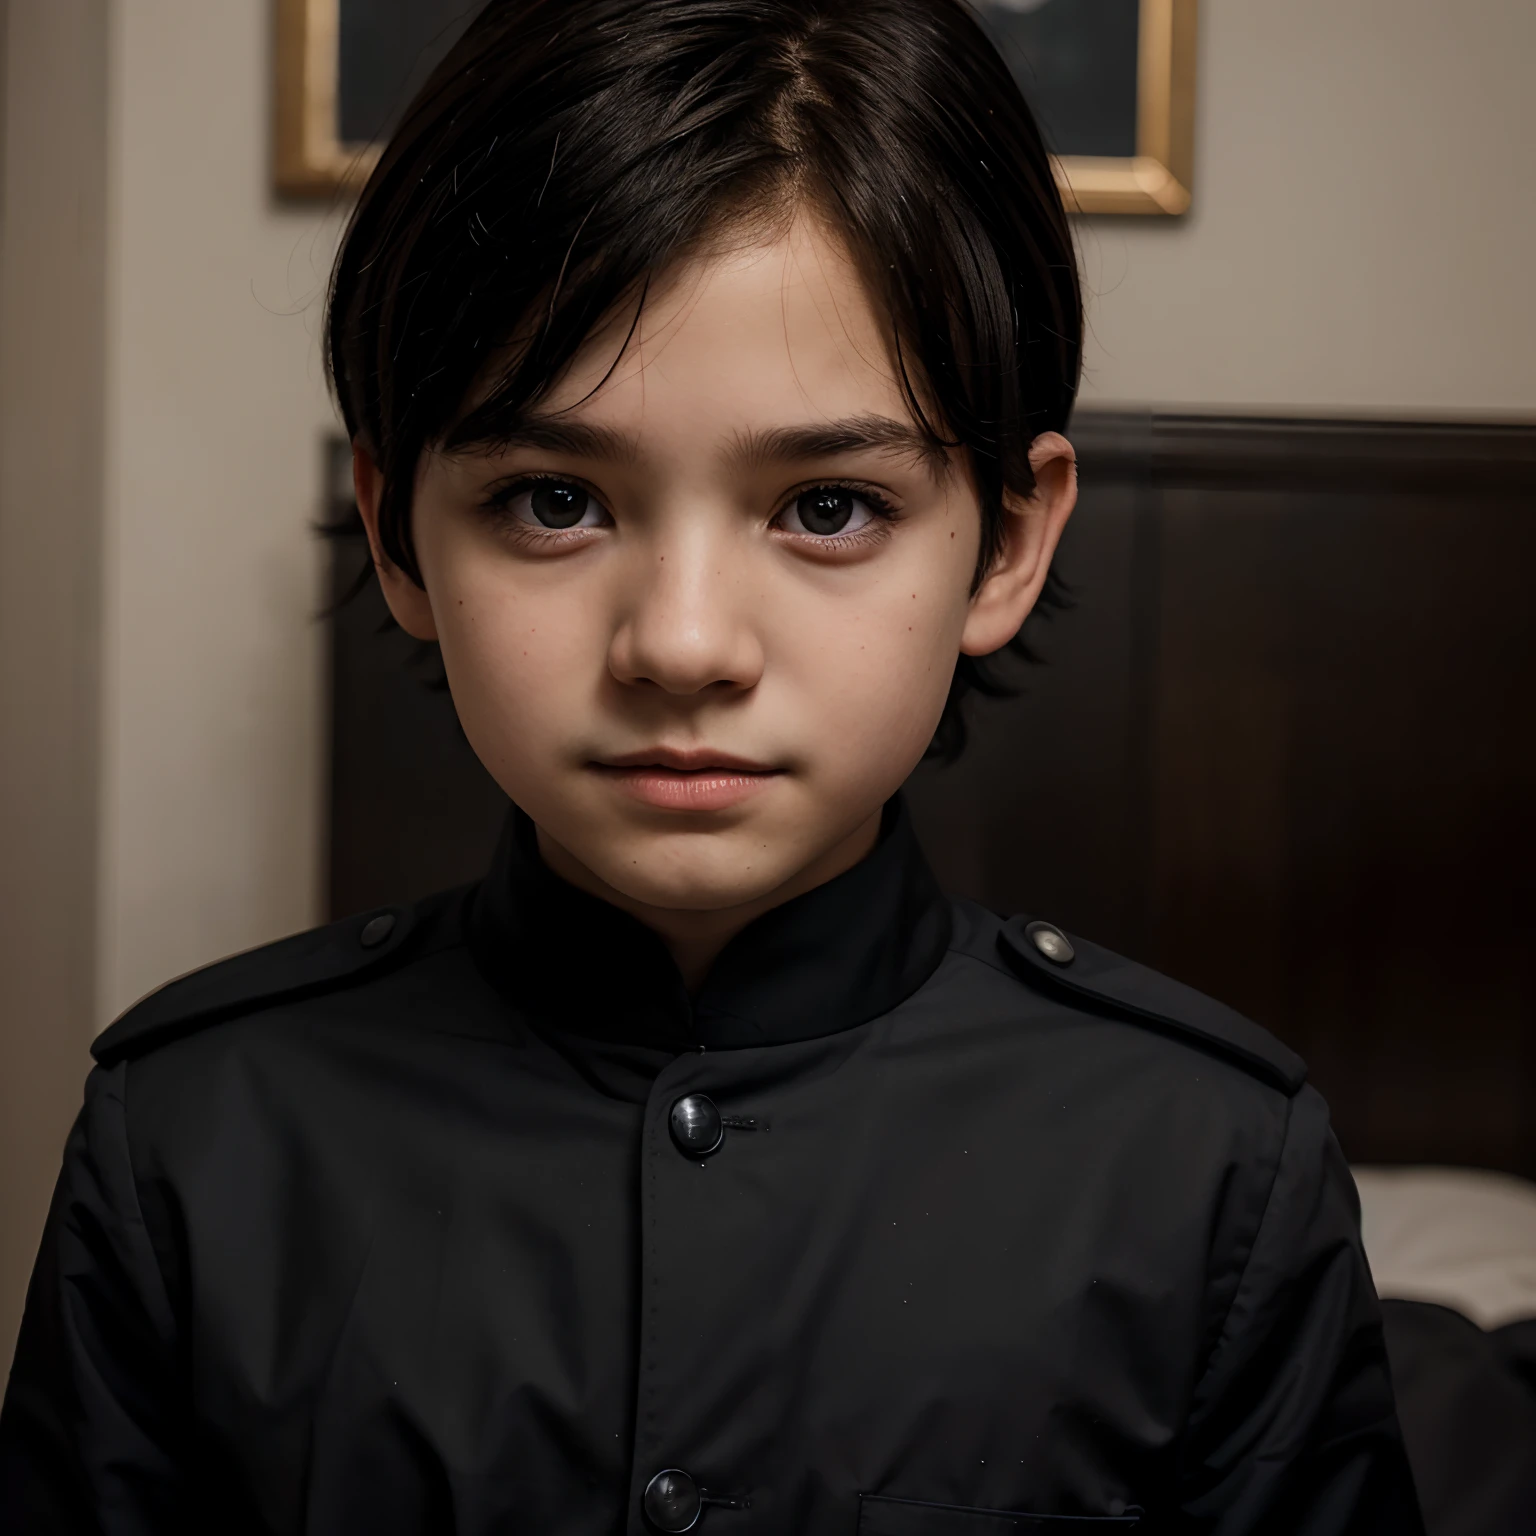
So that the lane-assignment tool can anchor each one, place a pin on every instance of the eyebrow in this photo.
(555, 434)
(756, 448)
(830, 439)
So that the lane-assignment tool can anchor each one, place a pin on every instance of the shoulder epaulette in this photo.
(286, 971)
(1036, 949)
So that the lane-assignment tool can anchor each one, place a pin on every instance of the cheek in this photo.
(519, 659)
(879, 666)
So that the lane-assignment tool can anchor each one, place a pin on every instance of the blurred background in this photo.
(1284, 744)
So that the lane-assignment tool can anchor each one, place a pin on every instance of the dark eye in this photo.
(554, 505)
(558, 506)
(826, 510)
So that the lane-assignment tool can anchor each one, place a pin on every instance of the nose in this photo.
(685, 628)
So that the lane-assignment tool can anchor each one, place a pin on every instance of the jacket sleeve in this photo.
(1294, 1429)
(88, 1432)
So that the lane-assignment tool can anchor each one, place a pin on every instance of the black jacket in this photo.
(402, 1226)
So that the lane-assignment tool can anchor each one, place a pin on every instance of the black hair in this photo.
(566, 153)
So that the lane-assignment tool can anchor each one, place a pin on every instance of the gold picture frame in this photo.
(1158, 177)
(311, 161)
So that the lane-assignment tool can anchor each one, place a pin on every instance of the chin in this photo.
(693, 871)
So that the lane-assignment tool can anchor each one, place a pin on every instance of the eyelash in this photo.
(499, 498)
(884, 511)
(879, 526)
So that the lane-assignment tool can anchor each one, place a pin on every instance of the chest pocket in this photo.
(880, 1516)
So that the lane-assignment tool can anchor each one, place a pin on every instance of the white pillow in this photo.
(1462, 1237)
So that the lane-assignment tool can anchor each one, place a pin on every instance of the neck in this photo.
(694, 937)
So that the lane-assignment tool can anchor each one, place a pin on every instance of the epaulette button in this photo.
(376, 930)
(1051, 942)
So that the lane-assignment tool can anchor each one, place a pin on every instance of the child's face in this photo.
(701, 624)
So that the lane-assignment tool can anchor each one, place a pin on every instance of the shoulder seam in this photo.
(1141, 1019)
(1098, 976)
(291, 970)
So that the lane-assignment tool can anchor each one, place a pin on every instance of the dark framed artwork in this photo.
(345, 68)
(1113, 82)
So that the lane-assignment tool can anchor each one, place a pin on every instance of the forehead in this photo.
(762, 332)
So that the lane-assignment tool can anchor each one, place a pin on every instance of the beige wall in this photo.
(1363, 235)
(162, 408)
(216, 409)
(52, 332)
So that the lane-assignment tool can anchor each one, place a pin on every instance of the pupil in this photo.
(559, 506)
(826, 510)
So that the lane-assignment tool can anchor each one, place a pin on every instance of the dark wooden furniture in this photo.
(1283, 747)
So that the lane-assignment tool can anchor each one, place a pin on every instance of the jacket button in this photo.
(1051, 942)
(697, 1131)
(671, 1500)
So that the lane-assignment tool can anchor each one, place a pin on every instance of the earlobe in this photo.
(408, 602)
(1032, 528)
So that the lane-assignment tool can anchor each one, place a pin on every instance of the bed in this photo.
(1453, 1251)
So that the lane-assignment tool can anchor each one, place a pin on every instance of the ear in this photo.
(407, 600)
(1031, 530)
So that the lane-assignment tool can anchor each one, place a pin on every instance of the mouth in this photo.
(686, 779)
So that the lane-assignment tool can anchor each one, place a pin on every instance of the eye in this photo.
(828, 510)
(554, 504)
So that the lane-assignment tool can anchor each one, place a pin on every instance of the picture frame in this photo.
(309, 158)
(312, 159)
(1159, 178)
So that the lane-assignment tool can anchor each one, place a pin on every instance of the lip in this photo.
(686, 779)
(685, 760)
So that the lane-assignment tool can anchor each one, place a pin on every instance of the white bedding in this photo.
(1461, 1237)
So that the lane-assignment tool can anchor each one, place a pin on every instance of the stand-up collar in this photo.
(825, 961)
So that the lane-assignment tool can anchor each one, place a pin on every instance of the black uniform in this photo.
(913, 1223)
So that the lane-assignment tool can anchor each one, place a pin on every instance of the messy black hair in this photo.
(566, 153)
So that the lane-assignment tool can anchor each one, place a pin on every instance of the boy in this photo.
(706, 365)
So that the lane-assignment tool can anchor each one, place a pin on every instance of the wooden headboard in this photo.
(1283, 747)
